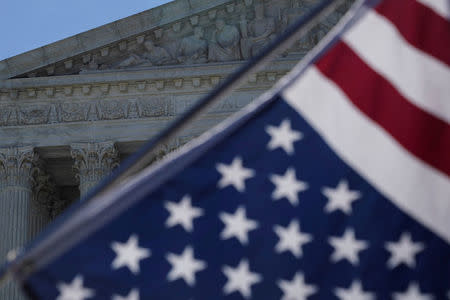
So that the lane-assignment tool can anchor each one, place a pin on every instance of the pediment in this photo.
(180, 32)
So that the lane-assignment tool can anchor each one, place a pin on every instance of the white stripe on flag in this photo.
(441, 7)
(410, 184)
(420, 78)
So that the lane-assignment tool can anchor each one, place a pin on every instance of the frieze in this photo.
(72, 112)
(102, 110)
(5, 114)
(83, 104)
(34, 114)
(133, 110)
(154, 107)
(228, 105)
(234, 31)
(9, 116)
(112, 109)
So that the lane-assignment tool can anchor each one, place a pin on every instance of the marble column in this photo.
(17, 166)
(93, 161)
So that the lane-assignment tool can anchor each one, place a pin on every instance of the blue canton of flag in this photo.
(310, 194)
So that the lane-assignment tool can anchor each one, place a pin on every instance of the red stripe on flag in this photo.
(420, 26)
(422, 134)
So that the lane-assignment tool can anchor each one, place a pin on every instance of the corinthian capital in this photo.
(94, 155)
(93, 161)
(17, 166)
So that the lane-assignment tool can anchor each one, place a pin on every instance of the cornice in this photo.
(173, 79)
(153, 73)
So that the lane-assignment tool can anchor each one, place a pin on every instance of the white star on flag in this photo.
(237, 225)
(347, 247)
(340, 197)
(74, 291)
(185, 266)
(129, 254)
(182, 213)
(297, 288)
(354, 292)
(291, 238)
(283, 136)
(240, 279)
(412, 293)
(234, 174)
(403, 251)
(287, 186)
(133, 295)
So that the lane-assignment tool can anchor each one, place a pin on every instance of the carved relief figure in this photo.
(193, 49)
(258, 33)
(154, 56)
(92, 65)
(225, 43)
(291, 15)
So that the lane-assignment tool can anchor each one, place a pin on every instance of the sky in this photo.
(29, 24)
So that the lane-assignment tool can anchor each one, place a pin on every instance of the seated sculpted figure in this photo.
(193, 49)
(257, 34)
(291, 15)
(225, 43)
(154, 56)
(92, 65)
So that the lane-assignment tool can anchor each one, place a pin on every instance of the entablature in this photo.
(136, 94)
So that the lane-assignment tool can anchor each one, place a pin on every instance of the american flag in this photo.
(335, 187)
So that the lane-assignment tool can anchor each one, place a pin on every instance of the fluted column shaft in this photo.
(93, 161)
(16, 194)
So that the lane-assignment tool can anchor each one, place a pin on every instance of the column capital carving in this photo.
(94, 155)
(93, 161)
(17, 166)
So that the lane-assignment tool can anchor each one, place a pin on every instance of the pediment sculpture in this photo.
(225, 43)
(220, 39)
(232, 32)
(223, 46)
(194, 48)
(153, 56)
(257, 33)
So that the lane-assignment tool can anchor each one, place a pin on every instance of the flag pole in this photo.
(48, 239)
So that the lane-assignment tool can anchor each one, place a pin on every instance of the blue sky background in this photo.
(29, 24)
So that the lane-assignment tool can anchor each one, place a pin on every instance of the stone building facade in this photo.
(72, 110)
